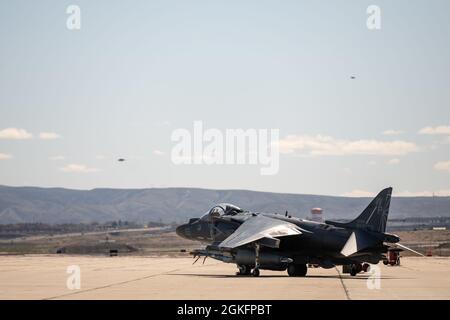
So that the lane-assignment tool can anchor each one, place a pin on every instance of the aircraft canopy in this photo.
(222, 209)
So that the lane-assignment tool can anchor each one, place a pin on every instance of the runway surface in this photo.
(45, 277)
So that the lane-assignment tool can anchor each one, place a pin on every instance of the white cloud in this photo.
(392, 132)
(320, 145)
(15, 134)
(372, 163)
(434, 146)
(79, 168)
(100, 157)
(49, 135)
(435, 130)
(358, 193)
(57, 158)
(394, 161)
(5, 156)
(446, 140)
(158, 152)
(438, 193)
(368, 194)
(442, 166)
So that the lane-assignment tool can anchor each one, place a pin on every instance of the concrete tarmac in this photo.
(46, 277)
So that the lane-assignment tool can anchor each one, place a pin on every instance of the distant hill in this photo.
(57, 205)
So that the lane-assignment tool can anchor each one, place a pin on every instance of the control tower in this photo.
(316, 215)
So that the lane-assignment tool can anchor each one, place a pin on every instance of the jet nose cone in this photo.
(181, 230)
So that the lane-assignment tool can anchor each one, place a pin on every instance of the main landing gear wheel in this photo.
(255, 272)
(297, 270)
(244, 270)
(355, 269)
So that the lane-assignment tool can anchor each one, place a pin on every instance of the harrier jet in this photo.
(258, 241)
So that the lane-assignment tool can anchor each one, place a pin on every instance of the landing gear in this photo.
(244, 270)
(255, 271)
(291, 270)
(365, 267)
(297, 270)
(355, 269)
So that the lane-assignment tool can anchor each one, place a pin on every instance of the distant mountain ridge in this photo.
(58, 205)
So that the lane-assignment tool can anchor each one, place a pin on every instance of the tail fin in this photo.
(375, 216)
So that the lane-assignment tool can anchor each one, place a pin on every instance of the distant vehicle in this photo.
(121, 159)
(352, 77)
(257, 241)
(393, 257)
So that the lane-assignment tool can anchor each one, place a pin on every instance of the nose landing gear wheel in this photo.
(297, 270)
(366, 267)
(255, 273)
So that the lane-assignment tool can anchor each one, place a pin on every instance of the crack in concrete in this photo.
(347, 293)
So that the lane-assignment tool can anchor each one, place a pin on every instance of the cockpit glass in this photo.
(222, 209)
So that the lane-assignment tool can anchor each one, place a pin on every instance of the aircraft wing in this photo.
(407, 248)
(260, 228)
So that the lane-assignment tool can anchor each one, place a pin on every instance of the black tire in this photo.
(244, 270)
(291, 270)
(302, 270)
(297, 270)
(353, 271)
(366, 267)
(255, 273)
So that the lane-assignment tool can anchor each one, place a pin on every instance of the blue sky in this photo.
(136, 71)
